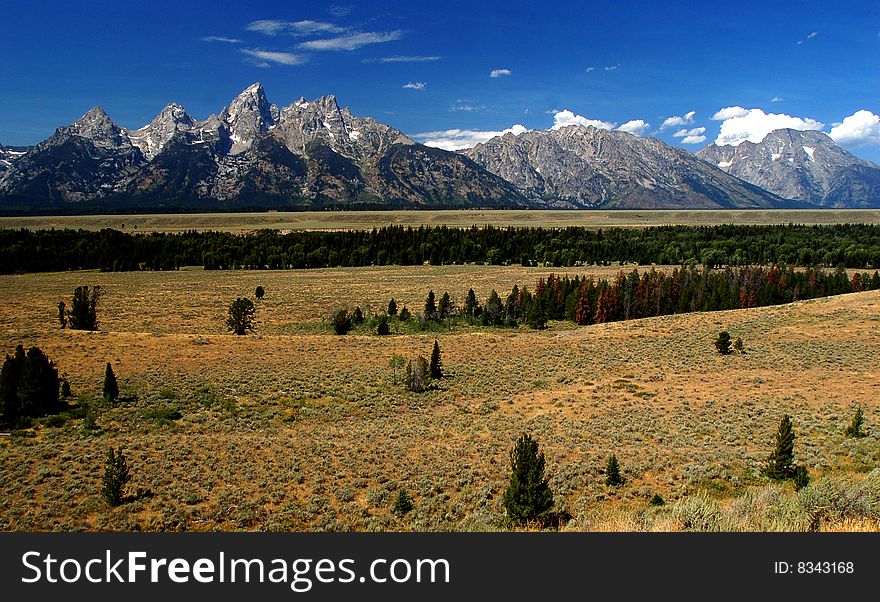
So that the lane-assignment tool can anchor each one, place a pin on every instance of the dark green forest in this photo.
(845, 245)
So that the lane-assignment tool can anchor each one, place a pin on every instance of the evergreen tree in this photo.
(260, 292)
(528, 495)
(430, 306)
(402, 504)
(722, 343)
(357, 316)
(111, 388)
(62, 315)
(738, 345)
(392, 307)
(493, 315)
(241, 314)
(341, 321)
(612, 472)
(84, 312)
(801, 477)
(537, 316)
(404, 314)
(855, 426)
(38, 385)
(470, 305)
(116, 475)
(780, 464)
(382, 325)
(436, 363)
(443, 308)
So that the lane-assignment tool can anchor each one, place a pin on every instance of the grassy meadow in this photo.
(295, 428)
(365, 220)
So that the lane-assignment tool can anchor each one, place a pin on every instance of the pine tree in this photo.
(780, 464)
(855, 426)
(470, 304)
(494, 312)
(111, 388)
(436, 363)
(84, 312)
(241, 314)
(801, 477)
(382, 327)
(430, 306)
(341, 321)
(404, 314)
(612, 472)
(722, 343)
(116, 475)
(528, 495)
(392, 307)
(402, 504)
(357, 316)
(62, 314)
(443, 308)
(738, 345)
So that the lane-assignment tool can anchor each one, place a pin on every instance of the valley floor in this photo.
(365, 220)
(295, 428)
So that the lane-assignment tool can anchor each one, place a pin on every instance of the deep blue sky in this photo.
(650, 61)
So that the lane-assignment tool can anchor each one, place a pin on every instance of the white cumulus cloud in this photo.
(415, 85)
(862, 128)
(678, 121)
(636, 127)
(565, 118)
(739, 125)
(691, 136)
(453, 140)
(496, 73)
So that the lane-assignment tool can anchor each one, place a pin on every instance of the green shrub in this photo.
(116, 476)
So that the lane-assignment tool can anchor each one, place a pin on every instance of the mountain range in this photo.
(313, 154)
(801, 165)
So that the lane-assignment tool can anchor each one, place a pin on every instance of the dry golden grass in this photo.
(296, 428)
(364, 220)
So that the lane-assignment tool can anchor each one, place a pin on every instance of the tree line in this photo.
(845, 245)
(627, 296)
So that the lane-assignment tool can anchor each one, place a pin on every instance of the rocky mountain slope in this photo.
(253, 154)
(583, 167)
(801, 165)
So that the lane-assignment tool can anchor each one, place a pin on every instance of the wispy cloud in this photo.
(415, 85)
(268, 56)
(221, 39)
(777, 99)
(812, 35)
(466, 108)
(352, 41)
(404, 59)
(273, 27)
(496, 73)
(590, 69)
(612, 67)
(340, 11)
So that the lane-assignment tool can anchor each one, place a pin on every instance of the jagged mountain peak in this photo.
(247, 116)
(801, 165)
(153, 137)
(585, 166)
